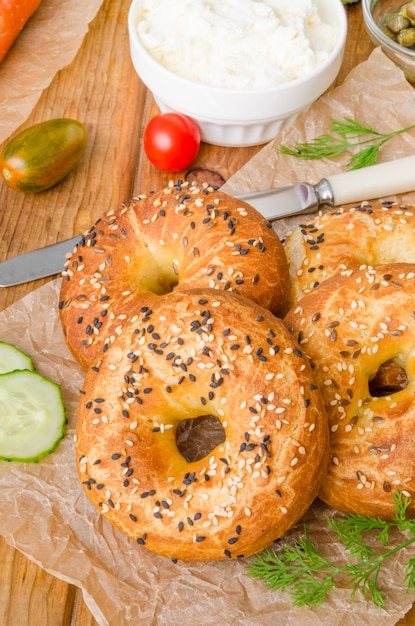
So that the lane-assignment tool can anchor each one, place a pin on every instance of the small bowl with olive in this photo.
(391, 25)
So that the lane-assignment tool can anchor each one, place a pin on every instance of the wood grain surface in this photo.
(101, 89)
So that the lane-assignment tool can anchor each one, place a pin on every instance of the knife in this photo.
(375, 181)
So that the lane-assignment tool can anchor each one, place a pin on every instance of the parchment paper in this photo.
(49, 42)
(46, 515)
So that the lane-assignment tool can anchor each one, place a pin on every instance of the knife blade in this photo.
(375, 181)
(37, 264)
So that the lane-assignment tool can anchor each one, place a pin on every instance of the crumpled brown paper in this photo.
(47, 44)
(46, 515)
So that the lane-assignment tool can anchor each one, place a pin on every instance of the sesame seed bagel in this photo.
(185, 359)
(182, 237)
(367, 234)
(358, 331)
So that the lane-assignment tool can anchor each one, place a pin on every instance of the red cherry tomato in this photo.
(171, 141)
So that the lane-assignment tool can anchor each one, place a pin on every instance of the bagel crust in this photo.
(183, 356)
(371, 233)
(183, 237)
(358, 330)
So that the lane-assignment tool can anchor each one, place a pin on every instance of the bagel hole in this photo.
(198, 436)
(390, 378)
(165, 283)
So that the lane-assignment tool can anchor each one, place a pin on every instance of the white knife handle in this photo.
(374, 181)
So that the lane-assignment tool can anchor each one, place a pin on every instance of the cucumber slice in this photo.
(32, 416)
(11, 358)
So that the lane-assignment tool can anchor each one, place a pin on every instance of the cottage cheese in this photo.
(236, 44)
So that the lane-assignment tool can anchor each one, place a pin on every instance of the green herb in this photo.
(309, 577)
(346, 134)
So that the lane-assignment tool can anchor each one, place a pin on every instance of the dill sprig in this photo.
(300, 570)
(345, 135)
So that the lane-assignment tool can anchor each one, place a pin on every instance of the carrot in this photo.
(13, 16)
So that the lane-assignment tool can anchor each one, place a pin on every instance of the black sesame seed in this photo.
(146, 494)
(179, 492)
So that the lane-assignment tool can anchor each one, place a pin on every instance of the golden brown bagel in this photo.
(371, 233)
(358, 331)
(187, 355)
(182, 237)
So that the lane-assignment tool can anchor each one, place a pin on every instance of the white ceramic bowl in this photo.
(239, 117)
(373, 13)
